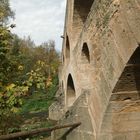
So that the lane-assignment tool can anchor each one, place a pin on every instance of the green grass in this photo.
(36, 103)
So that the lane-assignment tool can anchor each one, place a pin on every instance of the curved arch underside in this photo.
(85, 53)
(70, 91)
(122, 117)
(80, 14)
(81, 9)
(67, 48)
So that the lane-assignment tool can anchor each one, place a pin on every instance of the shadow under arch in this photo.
(70, 94)
(80, 14)
(67, 48)
(85, 54)
(81, 9)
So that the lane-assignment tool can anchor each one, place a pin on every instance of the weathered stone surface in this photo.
(78, 113)
(101, 52)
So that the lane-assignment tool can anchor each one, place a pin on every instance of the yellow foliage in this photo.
(14, 109)
(25, 89)
(11, 86)
(20, 67)
(49, 82)
(41, 63)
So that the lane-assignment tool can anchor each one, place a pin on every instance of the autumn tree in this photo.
(25, 68)
(8, 99)
(5, 12)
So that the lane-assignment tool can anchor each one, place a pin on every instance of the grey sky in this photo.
(41, 19)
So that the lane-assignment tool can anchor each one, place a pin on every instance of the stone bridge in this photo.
(100, 73)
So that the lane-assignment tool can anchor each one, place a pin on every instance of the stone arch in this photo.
(67, 48)
(81, 11)
(124, 104)
(85, 54)
(130, 77)
(71, 95)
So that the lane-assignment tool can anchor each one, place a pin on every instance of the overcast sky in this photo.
(41, 19)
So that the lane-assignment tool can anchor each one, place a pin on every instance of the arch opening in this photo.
(67, 48)
(81, 11)
(125, 100)
(129, 80)
(70, 91)
(85, 53)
